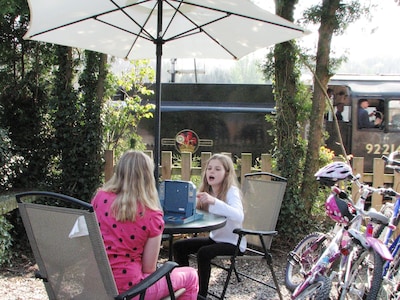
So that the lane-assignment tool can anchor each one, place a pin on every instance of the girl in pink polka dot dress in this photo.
(131, 222)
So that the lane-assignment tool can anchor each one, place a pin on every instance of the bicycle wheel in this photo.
(365, 277)
(390, 288)
(319, 290)
(302, 258)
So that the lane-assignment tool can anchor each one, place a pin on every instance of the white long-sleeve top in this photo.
(232, 209)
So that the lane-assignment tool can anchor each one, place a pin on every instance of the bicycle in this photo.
(358, 255)
(390, 288)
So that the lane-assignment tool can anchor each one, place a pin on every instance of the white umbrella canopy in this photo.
(136, 29)
(190, 28)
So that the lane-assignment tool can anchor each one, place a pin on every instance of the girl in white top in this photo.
(219, 194)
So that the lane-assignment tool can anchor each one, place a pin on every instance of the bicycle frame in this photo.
(367, 240)
(346, 248)
(331, 253)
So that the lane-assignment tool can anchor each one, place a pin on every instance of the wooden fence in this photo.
(186, 171)
(377, 178)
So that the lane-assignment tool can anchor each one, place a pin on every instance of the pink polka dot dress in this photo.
(124, 241)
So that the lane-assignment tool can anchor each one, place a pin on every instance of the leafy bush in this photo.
(10, 163)
(5, 240)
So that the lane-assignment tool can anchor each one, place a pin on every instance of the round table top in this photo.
(207, 223)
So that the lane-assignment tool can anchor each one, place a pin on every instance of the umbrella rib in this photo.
(147, 35)
(95, 17)
(239, 15)
(176, 10)
(197, 28)
(201, 30)
(142, 29)
(126, 30)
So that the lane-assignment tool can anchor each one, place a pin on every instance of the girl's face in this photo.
(215, 172)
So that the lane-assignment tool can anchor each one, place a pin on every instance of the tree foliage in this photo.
(51, 98)
(77, 103)
(25, 74)
(298, 159)
(92, 89)
(121, 117)
(289, 146)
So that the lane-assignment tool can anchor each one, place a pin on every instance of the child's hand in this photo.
(205, 199)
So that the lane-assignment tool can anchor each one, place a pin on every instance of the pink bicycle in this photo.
(347, 256)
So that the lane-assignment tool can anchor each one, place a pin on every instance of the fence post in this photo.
(149, 153)
(377, 181)
(109, 164)
(186, 165)
(166, 164)
(266, 163)
(205, 156)
(245, 165)
(396, 181)
(358, 168)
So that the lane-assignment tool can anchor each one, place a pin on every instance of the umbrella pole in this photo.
(157, 134)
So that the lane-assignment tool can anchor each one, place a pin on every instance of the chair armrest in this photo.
(274, 176)
(149, 281)
(243, 231)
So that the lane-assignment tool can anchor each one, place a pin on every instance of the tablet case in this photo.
(178, 200)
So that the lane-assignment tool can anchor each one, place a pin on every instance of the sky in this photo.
(364, 38)
(377, 37)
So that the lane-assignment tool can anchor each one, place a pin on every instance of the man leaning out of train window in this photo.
(363, 116)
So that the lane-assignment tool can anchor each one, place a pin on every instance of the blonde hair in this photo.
(133, 182)
(229, 180)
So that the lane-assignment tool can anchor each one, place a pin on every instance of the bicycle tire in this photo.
(380, 230)
(299, 263)
(319, 290)
(365, 276)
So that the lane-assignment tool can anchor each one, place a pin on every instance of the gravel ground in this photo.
(17, 281)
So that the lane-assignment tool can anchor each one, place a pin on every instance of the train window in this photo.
(370, 113)
(339, 96)
(343, 112)
(394, 115)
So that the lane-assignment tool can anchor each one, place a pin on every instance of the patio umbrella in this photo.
(137, 29)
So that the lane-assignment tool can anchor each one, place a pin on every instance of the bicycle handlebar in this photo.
(392, 155)
(382, 191)
(372, 214)
(391, 162)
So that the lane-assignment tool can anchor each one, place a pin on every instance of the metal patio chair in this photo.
(262, 197)
(69, 251)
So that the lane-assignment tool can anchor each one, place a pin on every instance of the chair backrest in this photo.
(262, 198)
(68, 248)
